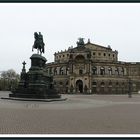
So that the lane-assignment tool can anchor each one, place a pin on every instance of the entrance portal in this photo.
(79, 86)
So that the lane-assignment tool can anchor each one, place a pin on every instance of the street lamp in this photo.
(129, 90)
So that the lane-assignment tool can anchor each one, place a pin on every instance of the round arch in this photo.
(80, 58)
(79, 86)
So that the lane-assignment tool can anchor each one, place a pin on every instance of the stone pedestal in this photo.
(35, 83)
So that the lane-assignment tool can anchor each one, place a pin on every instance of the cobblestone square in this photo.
(79, 114)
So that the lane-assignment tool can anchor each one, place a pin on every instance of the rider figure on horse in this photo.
(38, 43)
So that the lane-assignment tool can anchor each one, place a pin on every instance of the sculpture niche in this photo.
(35, 83)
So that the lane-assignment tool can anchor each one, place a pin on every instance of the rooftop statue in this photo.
(80, 43)
(81, 40)
(38, 43)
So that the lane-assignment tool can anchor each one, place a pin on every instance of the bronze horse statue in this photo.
(38, 43)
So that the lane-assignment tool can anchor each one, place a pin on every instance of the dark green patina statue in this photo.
(38, 43)
(35, 83)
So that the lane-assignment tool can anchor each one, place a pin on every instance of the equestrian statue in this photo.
(38, 43)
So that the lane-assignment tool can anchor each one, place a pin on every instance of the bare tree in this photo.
(9, 79)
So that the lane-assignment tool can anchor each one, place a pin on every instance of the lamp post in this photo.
(129, 90)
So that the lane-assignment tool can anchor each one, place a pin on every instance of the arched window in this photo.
(102, 83)
(71, 56)
(55, 71)
(80, 71)
(122, 71)
(94, 70)
(110, 71)
(110, 83)
(110, 87)
(94, 83)
(61, 71)
(123, 87)
(117, 71)
(102, 71)
(94, 87)
(117, 84)
(67, 71)
(102, 87)
(117, 88)
(79, 58)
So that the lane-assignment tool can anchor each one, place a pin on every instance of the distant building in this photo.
(93, 69)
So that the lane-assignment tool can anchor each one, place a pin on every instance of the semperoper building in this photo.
(93, 69)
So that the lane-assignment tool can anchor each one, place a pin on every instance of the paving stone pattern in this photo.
(80, 114)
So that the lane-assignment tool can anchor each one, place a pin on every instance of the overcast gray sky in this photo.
(114, 24)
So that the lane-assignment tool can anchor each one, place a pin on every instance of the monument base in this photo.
(34, 99)
(35, 84)
(48, 95)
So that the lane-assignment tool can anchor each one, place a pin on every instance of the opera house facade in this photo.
(89, 68)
